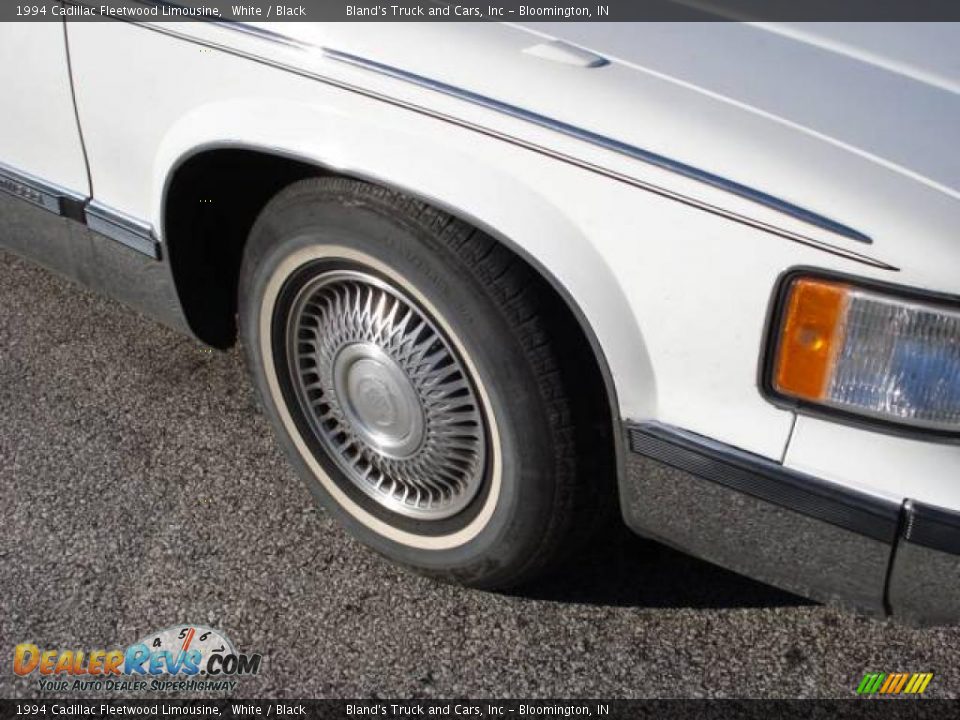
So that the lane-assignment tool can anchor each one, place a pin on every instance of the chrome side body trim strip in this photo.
(593, 138)
(519, 142)
(126, 230)
(607, 143)
(49, 196)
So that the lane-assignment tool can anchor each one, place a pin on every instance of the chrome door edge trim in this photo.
(124, 229)
(49, 196)
(607, 143)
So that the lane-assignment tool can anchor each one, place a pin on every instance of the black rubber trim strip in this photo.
(932, 527)
(74, 209)
(767, 480)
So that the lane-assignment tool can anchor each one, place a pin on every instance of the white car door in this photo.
(39, 136)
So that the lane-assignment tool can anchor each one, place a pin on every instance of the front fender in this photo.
(433, 169)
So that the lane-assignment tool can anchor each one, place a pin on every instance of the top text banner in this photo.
(478, 10)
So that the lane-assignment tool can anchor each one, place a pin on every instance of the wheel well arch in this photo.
(210, 202)
(211, 198)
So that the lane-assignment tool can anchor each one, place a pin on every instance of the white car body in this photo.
(671, 272)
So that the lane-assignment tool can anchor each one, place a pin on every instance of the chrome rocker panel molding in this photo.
(111, 255)
(126, 230)
(792, 530)
(49, 196)
(132, 232)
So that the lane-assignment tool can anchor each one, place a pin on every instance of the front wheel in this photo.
(402, 358)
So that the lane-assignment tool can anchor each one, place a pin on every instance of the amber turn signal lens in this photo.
(812, 333)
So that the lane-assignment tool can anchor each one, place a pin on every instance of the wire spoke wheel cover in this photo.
(385, 394)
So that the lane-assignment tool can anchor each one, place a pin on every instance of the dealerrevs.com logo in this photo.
(177, 658)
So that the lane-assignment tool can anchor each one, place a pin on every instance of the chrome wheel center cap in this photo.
(379, 400)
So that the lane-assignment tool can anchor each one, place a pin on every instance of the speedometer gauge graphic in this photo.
(178, 640)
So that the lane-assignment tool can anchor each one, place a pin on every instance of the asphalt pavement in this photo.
(140, 487)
